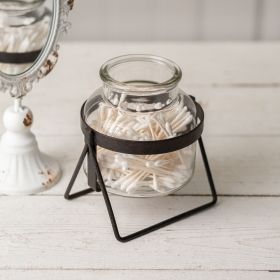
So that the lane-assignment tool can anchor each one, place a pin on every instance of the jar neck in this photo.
(140, 83)
(149, 102)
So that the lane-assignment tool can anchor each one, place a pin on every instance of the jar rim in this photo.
(124, 86)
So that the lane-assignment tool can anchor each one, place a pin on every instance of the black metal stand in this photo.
(101, 187)
(96, 182)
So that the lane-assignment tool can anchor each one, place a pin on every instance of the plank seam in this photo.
(138, 269)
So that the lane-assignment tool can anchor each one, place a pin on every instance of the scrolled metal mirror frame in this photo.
(19, 85)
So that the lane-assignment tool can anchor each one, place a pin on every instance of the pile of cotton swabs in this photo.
(135, 173)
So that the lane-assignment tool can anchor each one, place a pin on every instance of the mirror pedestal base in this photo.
(24, 169)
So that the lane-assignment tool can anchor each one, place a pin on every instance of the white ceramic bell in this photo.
(23, 168)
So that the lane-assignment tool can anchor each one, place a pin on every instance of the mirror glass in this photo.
(24, 29)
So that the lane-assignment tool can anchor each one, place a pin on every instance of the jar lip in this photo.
(161, 86)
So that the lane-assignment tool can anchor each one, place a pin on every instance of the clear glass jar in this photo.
(140, 100)
(24, 27)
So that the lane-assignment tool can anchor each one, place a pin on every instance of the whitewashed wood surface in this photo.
(46, 237)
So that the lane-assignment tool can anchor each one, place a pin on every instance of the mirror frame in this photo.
(19, 85)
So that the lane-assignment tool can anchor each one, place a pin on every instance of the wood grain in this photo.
(137, 274)
(51, 233)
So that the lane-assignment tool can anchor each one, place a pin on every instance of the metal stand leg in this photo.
(67, 194)
(109, 205)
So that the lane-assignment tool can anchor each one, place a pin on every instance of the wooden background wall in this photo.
(176, 20)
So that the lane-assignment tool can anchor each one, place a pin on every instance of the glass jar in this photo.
(24, 27)
(140, 100)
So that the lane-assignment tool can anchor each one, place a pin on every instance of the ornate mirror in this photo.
(29, 33)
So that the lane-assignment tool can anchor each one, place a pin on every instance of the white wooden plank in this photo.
(270, 29)
(203, 64)
(51, 233)
(137, 274)
(229, 111)
(216, 66)
(227, 19)
(240, 165)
